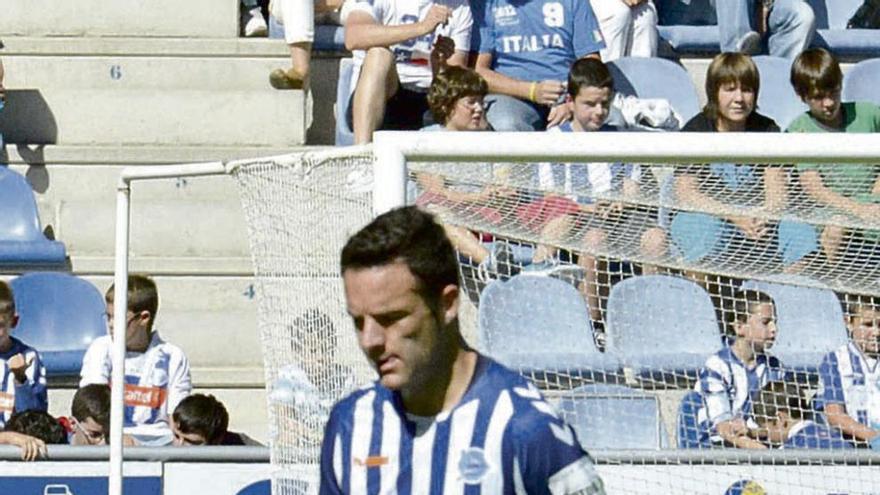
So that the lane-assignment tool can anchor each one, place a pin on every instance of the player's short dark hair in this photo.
(38, 424)
(853, 304)
(815, 71)
(7, 300)
(729, 68)
(412, 236)
(743, 304)
(92, 401)
(588, 72)
(450, 85)
(780, 396)
(142, 295)
(203, 415)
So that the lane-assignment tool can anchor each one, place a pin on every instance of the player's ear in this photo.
(449, 303)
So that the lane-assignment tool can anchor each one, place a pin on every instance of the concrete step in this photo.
(198, 93)
(154, 18)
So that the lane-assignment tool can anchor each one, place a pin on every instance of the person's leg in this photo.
(594, 241)
(792, 25)
(735, 25)
(377, 82)
(653, 245)
(645, 36)
(506, 113)
(298, 18)
(616, 23)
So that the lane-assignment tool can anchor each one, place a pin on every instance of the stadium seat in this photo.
(809, 324)
(614, 417)
(60, 315)
(541, 326)
(656, 78)
(831, 32)
(22, 243)
(861, 82)
(648, 332)
(344, 132)
(688, 429)
(777, 98)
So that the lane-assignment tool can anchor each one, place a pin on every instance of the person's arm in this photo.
(362, 31)
(30, 382)
(811, 181)
(179, 383)
(775, 188)
(838, 418)
(31, 447)
(96, 363)
(687, 191)
(736, 433)
(544, 92)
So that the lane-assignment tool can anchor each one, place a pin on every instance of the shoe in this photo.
(286, 79)
(749, 44)
(498, 264)
(256, 26)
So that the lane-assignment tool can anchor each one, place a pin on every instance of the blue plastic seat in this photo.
(809, 324)
(831, 32)
(662, 327)
(861, 82)
(656, 78)
(22, 243)
(539, 326)
(614, 417)
(60, 315)
(688, 427)
(777, 98)
(344, 132)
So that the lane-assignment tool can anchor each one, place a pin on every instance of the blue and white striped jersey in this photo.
(7, 394)
(727, 386)
(502, 438)
(32, 394)
(848, 377)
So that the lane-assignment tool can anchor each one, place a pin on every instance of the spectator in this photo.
(298, 18)
(31, 447)
(841, 189)
(38, 424)
(731, 377)
(848, 376)
(787, 25)
(157, 375)
(732, 84)
(590, 92)
(90, 422)
(202, 420)
(525, 51)
(22, 360)
(628, 26)
(783, 416)
(395, 58)
(253, 23)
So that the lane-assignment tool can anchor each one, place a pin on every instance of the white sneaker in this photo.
(255, 26)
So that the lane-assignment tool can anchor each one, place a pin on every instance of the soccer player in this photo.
(731, 376)
(157, 375)
(441, 416)
(784, 418)
(850, 376)
(28, 375)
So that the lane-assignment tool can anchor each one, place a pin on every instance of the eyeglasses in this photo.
(92, 436)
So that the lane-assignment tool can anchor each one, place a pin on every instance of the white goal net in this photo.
(706, 325)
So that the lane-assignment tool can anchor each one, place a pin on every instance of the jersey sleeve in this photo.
(96, 364)
(179, 381)
(830, 384)
(330, 454)
(714, 389)
(366, 6)
(549, 457)
(32, 394)
(463, 24)
(586, 36)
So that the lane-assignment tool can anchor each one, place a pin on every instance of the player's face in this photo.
(8, 320)
(760, 328)
(865, 330)
(825, 106)
(735, 104)
(468, 114)
(186, 439)
(590, 108)
(89, 432)
(398, 331)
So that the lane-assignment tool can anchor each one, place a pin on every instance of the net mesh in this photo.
(669, 311)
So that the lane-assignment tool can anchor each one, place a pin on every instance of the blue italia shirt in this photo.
(502, 438)
(535, 40)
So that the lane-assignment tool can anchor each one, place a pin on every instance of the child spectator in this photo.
(157, 375)
(732, 84)
(849, 377)
(38, 424)
(590, 91)
(202, 420)
(90, 421)
(733, 375)
(628, 26)
(23, 362)
(842, 189)
(784, 419)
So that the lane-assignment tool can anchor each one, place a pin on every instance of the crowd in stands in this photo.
(160, 408)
